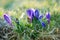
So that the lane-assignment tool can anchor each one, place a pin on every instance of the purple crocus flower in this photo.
(48, 17)
(30, 13)
(37, 13)
(8, 19)
(41, 16)
(43, 24)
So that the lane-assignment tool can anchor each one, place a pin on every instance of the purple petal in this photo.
(48, 16)
(43, 24)
(36, 13)
(7, 18)
(30, 13)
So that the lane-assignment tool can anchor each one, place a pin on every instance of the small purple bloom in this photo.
(40, 17)
(43, 24)
(48, 17)
(7, 18)
(30, 13)
(37, 13)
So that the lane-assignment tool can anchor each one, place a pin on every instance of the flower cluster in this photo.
(32, 13)
(35, 13)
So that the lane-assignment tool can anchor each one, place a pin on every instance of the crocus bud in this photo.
(43, 24)
(37, 13)
(7, 19)
(48, 17)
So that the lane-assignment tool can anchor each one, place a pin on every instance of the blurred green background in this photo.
(41, 4)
